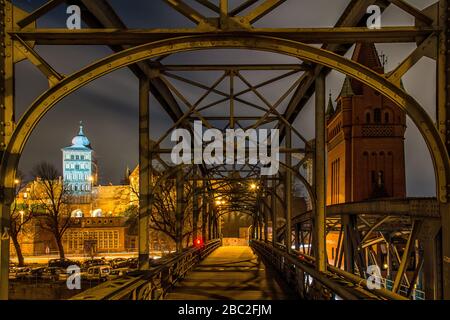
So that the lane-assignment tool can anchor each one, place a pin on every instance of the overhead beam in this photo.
(412, 207)
(229, 67)
(416, 13)
(100, 14)
(262, 10)
(209, 5)
(42, 10)
(247, 4)
(108, 36)
(354, 15)
(186, 11)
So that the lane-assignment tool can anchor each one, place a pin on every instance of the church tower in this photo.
(365, 139)
(79, 168)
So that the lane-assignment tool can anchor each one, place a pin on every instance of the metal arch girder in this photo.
(302, 51)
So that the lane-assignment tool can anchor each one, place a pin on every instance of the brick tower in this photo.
(365, 139)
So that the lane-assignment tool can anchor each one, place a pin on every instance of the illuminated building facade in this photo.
(365, 139)
(79, 169)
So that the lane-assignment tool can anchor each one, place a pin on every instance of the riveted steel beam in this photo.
(320, 175)
(41, 11)
(354, 15)
(338, 35)
(443, 124)
(302, 51)
(130, 56)
(100, 15)
(187, 11)
(6, 129)
(144, 173)
(405, 6)
(262, 10)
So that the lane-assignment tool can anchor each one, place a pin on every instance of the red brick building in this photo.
(365, 139)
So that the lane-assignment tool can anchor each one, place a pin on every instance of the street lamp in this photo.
(91, 180)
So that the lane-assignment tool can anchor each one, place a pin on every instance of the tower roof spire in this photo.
(347, 90)
(80, 133)
(330, 109)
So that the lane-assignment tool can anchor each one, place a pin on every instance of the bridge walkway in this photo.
(231, 273)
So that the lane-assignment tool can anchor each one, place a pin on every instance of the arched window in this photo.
(377, 115)
(368, 117)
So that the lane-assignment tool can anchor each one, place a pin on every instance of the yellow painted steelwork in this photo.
(302, 51)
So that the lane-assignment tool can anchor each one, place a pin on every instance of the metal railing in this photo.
(300, 273)
(415, 294)
(152, 284)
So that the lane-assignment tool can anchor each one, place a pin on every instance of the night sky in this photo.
(108, 107)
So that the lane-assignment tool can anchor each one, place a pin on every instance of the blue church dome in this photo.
(81, 140)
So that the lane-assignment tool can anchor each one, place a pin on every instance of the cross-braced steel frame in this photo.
(221, 189)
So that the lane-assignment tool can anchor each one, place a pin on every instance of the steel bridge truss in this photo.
(216, 190)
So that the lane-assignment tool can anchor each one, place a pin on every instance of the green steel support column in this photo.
(443, 115)
(320, 176)
(223, 14)
(430, 244)
(195, 208)
(179, 210)
(6, 128)
(214, 228)
(210, 214)
(273, 206)
(288, 191)
(266, 222)
(297, 236)
(260, 222)
(204, 213)
(219, 227)
(144, 173)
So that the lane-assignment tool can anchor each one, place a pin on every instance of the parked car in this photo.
(98, 273)
(22, 272)
(119, 263)
(133, 263)
(35, 273)
(54, 274)
(94, 262)
(117, 273)
(62, 263)
(12, 273)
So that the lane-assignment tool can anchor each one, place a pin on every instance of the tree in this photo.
(132, 219)
(163, 217)
(21, 213)
(53, 199)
